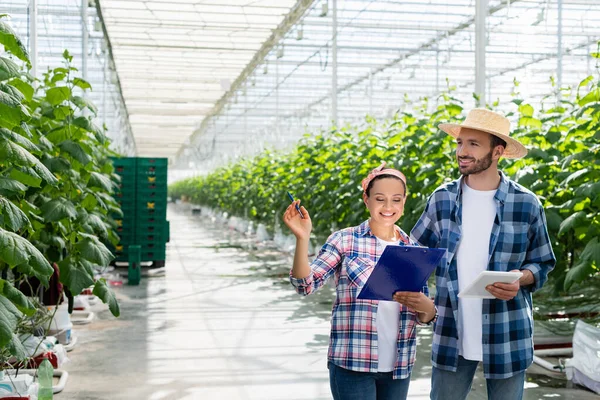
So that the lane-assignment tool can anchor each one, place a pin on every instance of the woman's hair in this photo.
(383, 176)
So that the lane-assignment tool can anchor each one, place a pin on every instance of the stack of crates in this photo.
(125, 195)
(152, 228)
(143, 199)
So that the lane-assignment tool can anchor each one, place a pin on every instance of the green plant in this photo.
(55, 185)
(324, 170)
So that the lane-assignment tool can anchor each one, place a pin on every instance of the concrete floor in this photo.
(224, 323)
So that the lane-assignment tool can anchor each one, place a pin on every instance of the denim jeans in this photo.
(352, 385)
(448, 385)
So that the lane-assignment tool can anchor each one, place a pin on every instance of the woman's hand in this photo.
(300, 227)
(416, 302)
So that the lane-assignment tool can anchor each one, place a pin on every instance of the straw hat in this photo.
(493, 123)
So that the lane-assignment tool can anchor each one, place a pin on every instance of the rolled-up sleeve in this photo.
(540, 259)
(322, 268)
(425, 231)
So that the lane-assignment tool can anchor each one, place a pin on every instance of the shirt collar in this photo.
(364, 229)
(501, 192)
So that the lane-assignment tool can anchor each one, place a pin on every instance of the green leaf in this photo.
(63, 112)
(89, 202)
(97, 224)
(571, 222)
(57, 164)
(8, 69)
(530, 122)
(58, 209)
(18, 139)
(60, 134)
(93, 250)
(553, 135)
(592, 251)
(100, 181)
(107, 296)
(13, 152)
(11, 42)
(575, 175)
(57, 95)
(14, 218)
(76, 151)
(84, 103)
(526, 110)
(11, 185)
(82, 83)
(12, 111)
(20, 301)
(592, 97)
(75, 274)
(25, 178)
(9, 317)
(25, 88)
(12, 91)
(578, 273)
(16, 348)
(17, 251)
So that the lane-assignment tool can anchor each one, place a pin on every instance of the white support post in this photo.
(481, 10)
(334, 66)
(437, 71)
(33, 36)
(84, 40)
(559, 51)
(105, 88)
(371, 92)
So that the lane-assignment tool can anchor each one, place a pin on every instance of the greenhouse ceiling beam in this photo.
(534, 61)
(288, 22)
(191, 47)
(204, 3)
(431, 44)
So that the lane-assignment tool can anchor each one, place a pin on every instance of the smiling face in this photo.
(474, 151)
(386, 201)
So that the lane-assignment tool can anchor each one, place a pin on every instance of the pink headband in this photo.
(381, 171)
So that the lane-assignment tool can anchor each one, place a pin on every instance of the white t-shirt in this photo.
(388, 320)
(472, 257)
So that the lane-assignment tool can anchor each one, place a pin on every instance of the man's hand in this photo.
(507, 291)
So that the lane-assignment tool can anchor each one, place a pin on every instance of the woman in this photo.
(372, 343)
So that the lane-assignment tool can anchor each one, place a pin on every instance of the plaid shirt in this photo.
(519, 240)
(350, 255)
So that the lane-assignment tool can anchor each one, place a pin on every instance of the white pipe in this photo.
(545, 364)
(62, 376)
(566, 351)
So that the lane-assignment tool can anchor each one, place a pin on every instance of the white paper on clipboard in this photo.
(477, 288)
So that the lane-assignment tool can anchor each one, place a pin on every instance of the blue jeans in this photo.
(448, 385)
(352, 385)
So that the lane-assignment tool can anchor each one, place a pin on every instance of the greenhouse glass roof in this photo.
(176, 59)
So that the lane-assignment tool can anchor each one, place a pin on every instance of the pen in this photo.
(297, 206)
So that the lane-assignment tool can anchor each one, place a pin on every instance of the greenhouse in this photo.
(300, 199)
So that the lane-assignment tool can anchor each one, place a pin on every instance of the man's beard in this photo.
(477, 166)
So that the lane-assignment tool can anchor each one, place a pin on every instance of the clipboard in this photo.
(476, 289)
(400, 269)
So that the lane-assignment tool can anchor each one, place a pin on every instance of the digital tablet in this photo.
(477, 288)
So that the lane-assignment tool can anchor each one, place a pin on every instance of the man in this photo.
(486, 222)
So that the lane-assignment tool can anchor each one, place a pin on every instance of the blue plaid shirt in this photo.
(519, 240)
